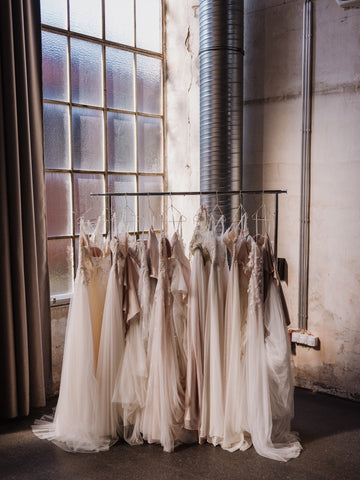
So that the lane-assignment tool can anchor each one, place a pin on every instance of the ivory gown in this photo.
(73, 426)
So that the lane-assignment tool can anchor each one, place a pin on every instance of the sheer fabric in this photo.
(163, 415)
(112, 346)
(212, 413)
(187, 351)
(73, 427)
(236, 428)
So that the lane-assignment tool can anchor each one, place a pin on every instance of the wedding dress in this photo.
(212, 414)
(197, 299)
(236, 436)
(278, 353)
(131, 384)
(73, 426)
(164, 411)
(261, 389)
(112, 345)
(180, 284)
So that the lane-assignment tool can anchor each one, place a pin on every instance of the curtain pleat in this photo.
(25, 336)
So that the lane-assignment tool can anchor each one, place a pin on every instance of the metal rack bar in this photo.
(214, 192)
(229, 192)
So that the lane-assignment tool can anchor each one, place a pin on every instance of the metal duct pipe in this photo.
(221, 100)
(305, 167)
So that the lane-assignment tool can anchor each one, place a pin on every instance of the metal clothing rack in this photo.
(200, 193)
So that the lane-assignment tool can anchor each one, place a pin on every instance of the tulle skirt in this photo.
(73, 426)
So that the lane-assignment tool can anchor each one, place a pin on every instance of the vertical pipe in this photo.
(305, 166)
(221, 99)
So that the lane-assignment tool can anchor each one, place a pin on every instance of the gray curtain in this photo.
(25, 347)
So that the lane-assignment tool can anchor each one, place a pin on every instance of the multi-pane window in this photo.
(103, 116)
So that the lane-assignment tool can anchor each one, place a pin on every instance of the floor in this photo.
(329, 428)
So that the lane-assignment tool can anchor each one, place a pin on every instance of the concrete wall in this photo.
(272, 158)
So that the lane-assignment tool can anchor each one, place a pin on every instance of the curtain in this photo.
(25, 337)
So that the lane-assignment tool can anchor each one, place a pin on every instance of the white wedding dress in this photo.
(112, 344)
(265, 419)
(73, 426)
(236, 429)
(196, 317)
(179, 287)
(212, 413)
(164, 408)
(131, 383)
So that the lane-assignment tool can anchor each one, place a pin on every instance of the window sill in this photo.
(60, 300)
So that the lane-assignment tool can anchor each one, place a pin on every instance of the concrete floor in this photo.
(329, 428)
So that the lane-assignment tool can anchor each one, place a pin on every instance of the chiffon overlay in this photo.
(165, 348)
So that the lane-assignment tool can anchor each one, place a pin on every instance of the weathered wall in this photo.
(272, 157)
(183, 106)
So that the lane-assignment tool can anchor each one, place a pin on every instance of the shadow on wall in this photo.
(253, 130)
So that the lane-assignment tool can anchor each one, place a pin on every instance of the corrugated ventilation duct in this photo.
(221, 99)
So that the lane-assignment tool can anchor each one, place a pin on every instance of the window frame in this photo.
(64, 299)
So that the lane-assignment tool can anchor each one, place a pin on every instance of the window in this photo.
(103, 70)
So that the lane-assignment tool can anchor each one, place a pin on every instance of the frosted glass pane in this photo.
(85, 17)
(85, 205)
(150, 208)
(149, 80)
(119, 21)
(121, 142)
(148, 25)
(54, 12)
(86, 73)
(125, 208)
(58, 204)
(60, 257)
(120, 79)
(55, 66)
(56, 136)
(88, 139)
(150, 144)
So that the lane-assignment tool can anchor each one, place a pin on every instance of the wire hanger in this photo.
(181, 217)
(217, 207)
(125, 219)
(259, 215)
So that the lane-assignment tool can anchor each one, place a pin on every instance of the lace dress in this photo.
(236, 436)
(212, 414)
(164, 412)
(73, 426)
(260, 413)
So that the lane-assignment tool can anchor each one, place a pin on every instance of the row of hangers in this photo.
(172, 214)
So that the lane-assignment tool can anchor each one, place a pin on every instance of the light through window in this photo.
(103, 116)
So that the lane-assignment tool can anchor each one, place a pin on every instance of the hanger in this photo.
(217, 207)
(152, 211)
(261, 215)
(181, 218)
(125, 219)
(242, 223)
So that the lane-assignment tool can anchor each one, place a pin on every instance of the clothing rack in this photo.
(212, 192)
